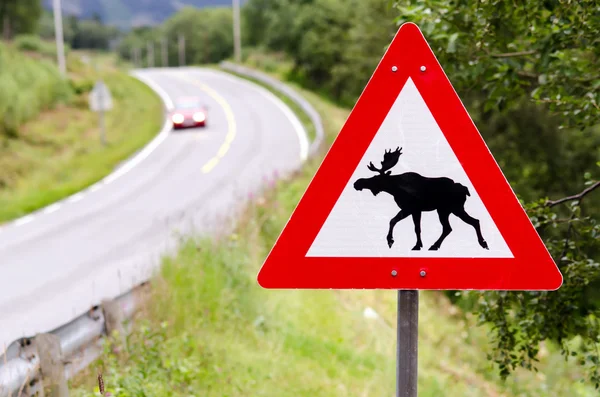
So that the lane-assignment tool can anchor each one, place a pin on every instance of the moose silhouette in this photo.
(415, 194)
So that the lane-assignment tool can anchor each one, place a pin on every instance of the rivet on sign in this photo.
(394, 68)
(422, 273)
(423, 68)
(394, 273)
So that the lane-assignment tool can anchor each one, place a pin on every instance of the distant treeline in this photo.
(27, 17)
(208, 34)
(80, 33)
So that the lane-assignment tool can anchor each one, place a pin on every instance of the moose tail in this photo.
(464, 189)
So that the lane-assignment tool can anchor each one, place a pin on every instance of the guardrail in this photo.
(63, 352)
(46, 361)
(306, 107)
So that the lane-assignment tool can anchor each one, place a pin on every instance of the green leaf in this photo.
(452, 43)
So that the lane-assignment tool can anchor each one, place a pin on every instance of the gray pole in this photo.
(102, 126)
(101, 111)
(181, 50)
(150, 54)
(237, 45)
(407, 344)
(165, 54)
(138, 56)
(58, 35)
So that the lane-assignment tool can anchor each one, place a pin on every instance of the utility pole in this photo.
(138, 57)
(150, 54)
(237, 45)
(165, 53)
(181, 50)
(58, 34)
(206, 48)
(132, 56)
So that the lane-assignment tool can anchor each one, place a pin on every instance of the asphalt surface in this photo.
(57, 263)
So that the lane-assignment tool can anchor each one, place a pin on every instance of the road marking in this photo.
(94, 188)
(23, 220)
(74, 198)
(290, 115)
(129, 164)
(231, 125)
(51, 208)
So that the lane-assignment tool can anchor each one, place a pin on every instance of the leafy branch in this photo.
(514, 54)
(578, 197)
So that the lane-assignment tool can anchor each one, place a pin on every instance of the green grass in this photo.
(28, 85)
(59, 152)
(210, 330)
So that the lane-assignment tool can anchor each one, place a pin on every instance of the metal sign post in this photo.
(407, 343)
(101, 121)
(101, 101)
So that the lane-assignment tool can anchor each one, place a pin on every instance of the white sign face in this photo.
(100, 98)
(359, 223)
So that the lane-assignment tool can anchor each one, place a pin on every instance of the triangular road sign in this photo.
(409, 157)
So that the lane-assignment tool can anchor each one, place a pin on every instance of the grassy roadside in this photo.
(210, 330)
(59, 152)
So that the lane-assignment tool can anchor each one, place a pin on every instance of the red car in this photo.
(188, 112)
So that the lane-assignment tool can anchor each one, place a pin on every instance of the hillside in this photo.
(50, 143)
(128, 13)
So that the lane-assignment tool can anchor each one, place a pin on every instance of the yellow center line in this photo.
(231, 125)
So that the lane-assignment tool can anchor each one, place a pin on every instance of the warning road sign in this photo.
(100, 98)
(409, 196)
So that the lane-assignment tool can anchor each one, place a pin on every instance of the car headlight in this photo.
(178, 118)
(199, 117)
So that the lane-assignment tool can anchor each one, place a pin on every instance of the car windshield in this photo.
(188, 105)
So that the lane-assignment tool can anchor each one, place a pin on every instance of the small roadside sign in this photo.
(100, 98)
(101, 101)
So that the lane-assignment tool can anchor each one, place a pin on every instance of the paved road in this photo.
(58, 263)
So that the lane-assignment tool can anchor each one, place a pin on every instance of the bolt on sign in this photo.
(409, 196)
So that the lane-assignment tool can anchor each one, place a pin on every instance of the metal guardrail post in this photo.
(114, 319)
(52, 365)
(60, 354)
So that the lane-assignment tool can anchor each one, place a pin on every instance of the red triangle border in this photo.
(287, 267)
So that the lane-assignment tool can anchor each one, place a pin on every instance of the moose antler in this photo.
(390, 159)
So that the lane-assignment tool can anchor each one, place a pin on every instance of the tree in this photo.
(19, 16)
(542, 57)
(323, 27)
(208, 36)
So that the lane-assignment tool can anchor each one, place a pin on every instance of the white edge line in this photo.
(141, 155)
(23, 220)
(285, 109)
(51, 208)
(76, 197)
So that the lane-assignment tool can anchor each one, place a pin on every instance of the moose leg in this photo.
(468, 219)
(417, 220)
(446, 229)
(401, 215)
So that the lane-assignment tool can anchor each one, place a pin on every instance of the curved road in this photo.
(97, 244)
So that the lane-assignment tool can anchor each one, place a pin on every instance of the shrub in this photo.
(27, 87)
